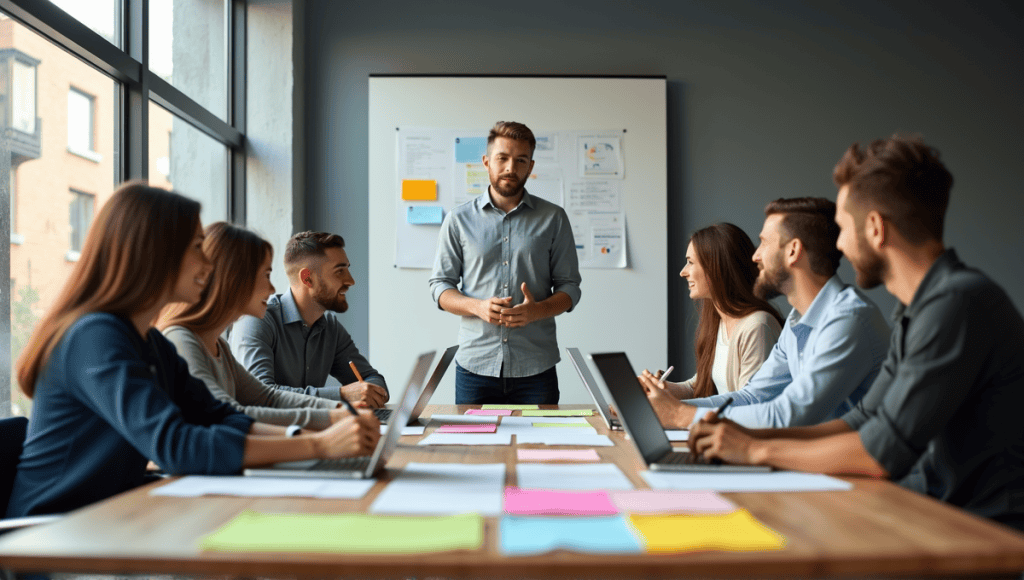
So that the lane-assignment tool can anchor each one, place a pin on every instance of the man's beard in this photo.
(869, 266)
(769, 283)
(506, 189)
(330, 301)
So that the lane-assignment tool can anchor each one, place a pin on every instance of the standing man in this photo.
(943, 416)
(295, 346)
(516, 258)
(831, 347)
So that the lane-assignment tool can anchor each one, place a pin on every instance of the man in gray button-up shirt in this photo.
(297, 344)
(943, 416)
(516, 258)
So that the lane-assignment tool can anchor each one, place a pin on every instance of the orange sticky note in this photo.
(419, 189)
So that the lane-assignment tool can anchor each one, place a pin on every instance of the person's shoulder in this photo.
(98, 324)
(758, 318)
(463, 209)
(969, 289)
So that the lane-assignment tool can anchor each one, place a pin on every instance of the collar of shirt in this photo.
(289, 309)
(930, 284)
(484, 201)
(819, 306)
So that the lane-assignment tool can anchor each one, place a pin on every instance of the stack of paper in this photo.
(444, 488)
(346, 533)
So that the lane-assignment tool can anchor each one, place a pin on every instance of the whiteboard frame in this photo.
(620, 309)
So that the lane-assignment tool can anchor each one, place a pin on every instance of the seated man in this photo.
(831, 346)
(295, 346)
(943, 416)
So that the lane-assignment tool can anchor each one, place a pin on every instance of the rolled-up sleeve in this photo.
(448, 260)
(565, 262)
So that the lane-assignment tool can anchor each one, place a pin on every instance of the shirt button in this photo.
(506, 262)
(506, 239)
(504, 340)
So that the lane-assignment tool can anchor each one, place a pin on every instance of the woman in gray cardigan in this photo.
(239, 284)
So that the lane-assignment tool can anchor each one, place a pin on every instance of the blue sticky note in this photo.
(521, 536)
(425, 214)
(470, 149)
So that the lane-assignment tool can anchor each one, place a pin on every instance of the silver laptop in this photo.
(358, 467)
(642, 425)
(428, 390)
(590, 383)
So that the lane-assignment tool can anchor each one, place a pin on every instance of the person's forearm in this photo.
(259, 428)
(261, 450)
(555, 304)
(835, 454)
(451, 300)
(833, 427)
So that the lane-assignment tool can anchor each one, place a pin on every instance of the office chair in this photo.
(12, 437)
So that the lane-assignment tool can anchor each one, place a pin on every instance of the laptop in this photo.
(358, 467)
(642, 425)
(428, 390)
(595, 391)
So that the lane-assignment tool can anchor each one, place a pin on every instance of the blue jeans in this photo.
(474, 389)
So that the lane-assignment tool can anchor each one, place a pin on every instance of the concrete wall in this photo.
(763, 100)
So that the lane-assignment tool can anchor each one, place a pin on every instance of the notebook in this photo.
(428, 390)
(595, 391)
(358, 467)
(642, 425)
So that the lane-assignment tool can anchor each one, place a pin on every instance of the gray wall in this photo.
(762, 103)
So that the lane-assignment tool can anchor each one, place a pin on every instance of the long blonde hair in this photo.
(131, 258)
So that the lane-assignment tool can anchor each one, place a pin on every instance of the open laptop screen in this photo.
(635, 411)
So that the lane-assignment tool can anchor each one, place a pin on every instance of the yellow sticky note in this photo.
(419, 189)
(737, 531)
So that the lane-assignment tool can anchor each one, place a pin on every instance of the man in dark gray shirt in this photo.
(296, 345)
(943, 416)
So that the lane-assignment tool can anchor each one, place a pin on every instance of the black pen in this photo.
(348, 405)
(722, 407)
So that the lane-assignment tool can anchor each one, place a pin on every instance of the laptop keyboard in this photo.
(342, 464)
(383, 414)
(677, 458)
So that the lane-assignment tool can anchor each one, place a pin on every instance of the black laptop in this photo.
(428, 390)
(642, 425)
(590, 383)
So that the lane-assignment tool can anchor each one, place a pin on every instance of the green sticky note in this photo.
(513, 407)
(578, 425)
(346, 533)
(559, 413)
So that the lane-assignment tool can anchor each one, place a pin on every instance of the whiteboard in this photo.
(620, 309)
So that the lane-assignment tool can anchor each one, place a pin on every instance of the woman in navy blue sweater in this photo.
(110, 392)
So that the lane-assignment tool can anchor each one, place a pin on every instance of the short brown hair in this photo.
(305, 245)
(812, 220)
(511, 130)
(901, 178)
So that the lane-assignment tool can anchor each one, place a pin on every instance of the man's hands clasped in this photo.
(500, 312)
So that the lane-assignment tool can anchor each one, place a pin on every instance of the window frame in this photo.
(89, 152)
(128, 66)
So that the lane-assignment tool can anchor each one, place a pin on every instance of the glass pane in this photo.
(58, 143)
(102, 16)
(187, 49)
(188, 161)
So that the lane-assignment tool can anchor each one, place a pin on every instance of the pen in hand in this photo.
(341, 394)
(355, 371)
(664, 375)
(718, 412)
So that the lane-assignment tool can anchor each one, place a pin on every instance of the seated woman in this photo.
(109, 391)
(238, 284)
(737, 330)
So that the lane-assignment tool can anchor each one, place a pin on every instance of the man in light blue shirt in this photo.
(832, 344)
(516, 258)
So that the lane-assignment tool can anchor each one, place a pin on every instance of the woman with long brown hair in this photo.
(238, 284)
(737, 330)
(110, 394)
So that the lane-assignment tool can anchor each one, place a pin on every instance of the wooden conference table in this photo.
(877, 529)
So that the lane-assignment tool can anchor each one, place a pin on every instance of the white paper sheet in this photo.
(575, 476)
(444, 488)
(407, 430)
(675, 434)
(524, 425)
(563, 437)
(466, 439)
(773, 481)
(200, 485)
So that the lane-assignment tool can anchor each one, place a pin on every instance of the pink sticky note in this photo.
(489, 428)
(657, 501)
(557, 455)
(491, 412)
(558, 503)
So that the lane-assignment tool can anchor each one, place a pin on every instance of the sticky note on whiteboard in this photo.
(419, 189)
(424, 214)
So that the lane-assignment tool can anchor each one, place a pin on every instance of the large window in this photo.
(85, 107)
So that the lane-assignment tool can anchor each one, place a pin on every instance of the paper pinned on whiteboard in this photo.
(425, 214)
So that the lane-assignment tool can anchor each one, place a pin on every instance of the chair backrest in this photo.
(12, 437)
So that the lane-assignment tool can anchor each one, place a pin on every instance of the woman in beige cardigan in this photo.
(737, 330)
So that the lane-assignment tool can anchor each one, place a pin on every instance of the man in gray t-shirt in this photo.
(942, 418)
(296, 344)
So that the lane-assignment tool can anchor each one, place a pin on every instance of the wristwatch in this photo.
(292, 430)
